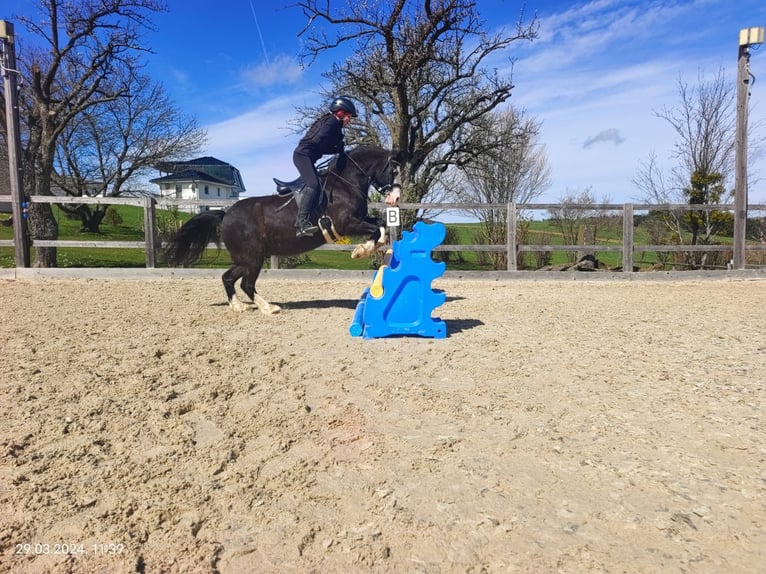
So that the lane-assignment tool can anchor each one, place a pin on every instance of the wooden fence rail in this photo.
(151, 243)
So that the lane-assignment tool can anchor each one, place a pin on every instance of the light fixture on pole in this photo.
(747, 37)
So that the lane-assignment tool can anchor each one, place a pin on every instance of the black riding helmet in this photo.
(343, 103)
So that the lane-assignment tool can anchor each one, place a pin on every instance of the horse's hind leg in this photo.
(229, 278)
(248, 286)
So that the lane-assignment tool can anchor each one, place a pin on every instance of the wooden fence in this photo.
(151, 244)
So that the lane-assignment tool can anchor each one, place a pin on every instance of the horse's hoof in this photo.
(265, 307)
(237, 305)
(271, 309)
(363, 250)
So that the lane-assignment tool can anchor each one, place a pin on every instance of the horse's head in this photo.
(372, 166)
(349, 180)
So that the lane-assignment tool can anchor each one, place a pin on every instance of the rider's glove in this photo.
(340, 163)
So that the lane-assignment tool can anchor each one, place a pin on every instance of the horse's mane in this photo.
(358, 153)
(366, 149)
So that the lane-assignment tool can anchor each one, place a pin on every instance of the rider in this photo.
(324, 137)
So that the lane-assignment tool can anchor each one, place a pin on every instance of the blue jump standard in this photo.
(400, 299)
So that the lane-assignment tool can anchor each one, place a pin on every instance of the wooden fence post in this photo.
(150, 231)
(586, 235)
(510, 237)
(13, 143)
(627, 238)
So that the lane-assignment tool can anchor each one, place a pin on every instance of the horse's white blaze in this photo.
(265, 307)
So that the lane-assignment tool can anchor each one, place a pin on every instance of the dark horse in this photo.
(256, 227)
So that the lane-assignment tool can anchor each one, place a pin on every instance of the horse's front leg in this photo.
(264, 306)
(369, 247)
(248, 286)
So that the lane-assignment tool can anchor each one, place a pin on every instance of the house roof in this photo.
(205, 168)
(189, 175)
(207, 160)
(172, 166)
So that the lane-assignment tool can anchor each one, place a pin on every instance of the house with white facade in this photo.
(204, 178)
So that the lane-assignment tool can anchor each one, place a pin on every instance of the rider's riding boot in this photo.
(303, 225)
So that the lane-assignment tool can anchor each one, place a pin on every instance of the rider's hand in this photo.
(393, 197)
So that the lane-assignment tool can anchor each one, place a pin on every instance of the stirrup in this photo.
(327, 227)
(306, 230)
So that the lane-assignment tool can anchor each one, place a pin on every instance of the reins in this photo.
(383, 190)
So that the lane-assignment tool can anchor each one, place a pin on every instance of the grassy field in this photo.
(130, 228)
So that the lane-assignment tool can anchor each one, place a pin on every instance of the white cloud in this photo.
(279, 71)
(595, 79)
(258, 169)
(600, 72)
(259, 128)
(259, 143)
(606, 136)
(180, 77)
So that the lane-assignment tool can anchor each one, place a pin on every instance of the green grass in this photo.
(131, 229)
(540, 233)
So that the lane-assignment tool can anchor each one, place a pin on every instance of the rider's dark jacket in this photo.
(324, 137)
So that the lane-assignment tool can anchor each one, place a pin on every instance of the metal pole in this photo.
(740, 161)
(13, 139)
(747, 37)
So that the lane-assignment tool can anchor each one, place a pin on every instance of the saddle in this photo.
(286, 187)
(294, 186)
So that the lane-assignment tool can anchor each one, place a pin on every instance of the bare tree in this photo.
(515, 166)
(513, 169)
(578, 220)
(88, 57)
(653, 182)
(425, 73)
(110, 144)
(704, 122)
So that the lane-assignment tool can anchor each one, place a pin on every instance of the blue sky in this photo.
(595, 78)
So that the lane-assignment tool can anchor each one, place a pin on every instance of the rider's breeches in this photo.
(310, 179)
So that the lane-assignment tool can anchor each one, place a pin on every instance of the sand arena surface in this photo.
(561, 427)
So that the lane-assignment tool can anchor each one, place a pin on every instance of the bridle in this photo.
(325, 224)
(392, 165)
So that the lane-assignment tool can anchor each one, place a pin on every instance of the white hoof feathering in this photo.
(237, 305)
(365, 249)
(266, 307)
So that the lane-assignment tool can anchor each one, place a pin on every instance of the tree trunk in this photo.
(90, 221)
(43, 225)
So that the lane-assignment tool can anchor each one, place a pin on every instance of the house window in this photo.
(218, 189)
(178, 192)
(206, 190)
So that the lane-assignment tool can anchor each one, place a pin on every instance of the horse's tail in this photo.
(188, 244)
